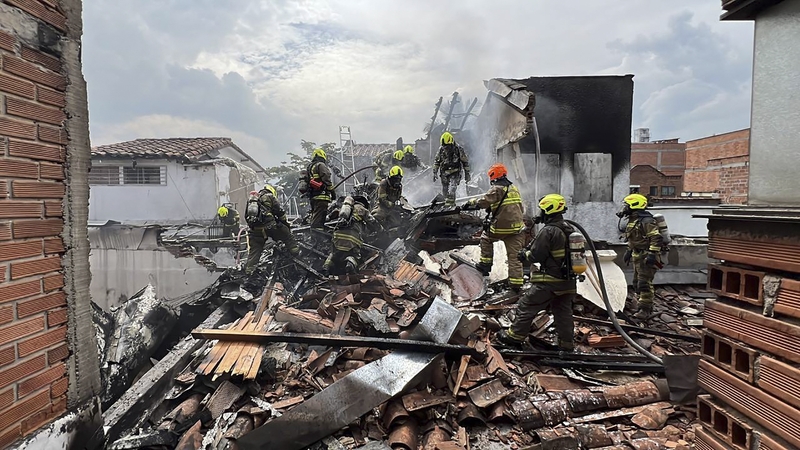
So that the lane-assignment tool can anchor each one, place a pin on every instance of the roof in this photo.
(374, 149)
(184, 149)
(745, 9)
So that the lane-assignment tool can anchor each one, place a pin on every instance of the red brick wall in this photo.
(33, 314)
(719, 164)
(647, 176)
(665, 156)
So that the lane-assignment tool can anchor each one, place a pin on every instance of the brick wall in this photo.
(665, 156)
(34, 350)
(646, 176)
(719, 164)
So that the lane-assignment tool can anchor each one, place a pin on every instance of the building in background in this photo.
(654, 183)
(719, 166)
(657, 167)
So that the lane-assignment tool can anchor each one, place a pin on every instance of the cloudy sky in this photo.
(271, 72)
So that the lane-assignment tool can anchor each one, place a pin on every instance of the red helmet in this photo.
(496, 171)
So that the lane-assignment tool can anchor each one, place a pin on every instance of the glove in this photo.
(467, 178)
(467, 206)
(524, 255)
(651, 259)
(333, 194)
(627, 257)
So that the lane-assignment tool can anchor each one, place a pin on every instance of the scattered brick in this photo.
(56, 317)
(19, 250)
(6, 314)
(51, 97)
(39, 10)
(57, 354)
(54, 245)
(53, 208)
(40, 381)
(7, 41)
(36, 151)
(18, 169)
(21, 329)
(33, 72)
(38, 228)
(34, 306)
(42, 59)
(51, 171)
(17, 210)
(41, 342)
(59, 387)
(21, 370)
(33, 111)
(9, 292)
(6, 398)
(35, 267)
(54, 135)
(15, 128)
(24, 409)
(16, 86)
(53, 282)
(7, 356)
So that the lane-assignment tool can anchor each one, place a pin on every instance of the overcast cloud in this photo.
(269, 73)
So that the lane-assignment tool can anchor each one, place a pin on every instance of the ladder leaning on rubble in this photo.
(346, 155)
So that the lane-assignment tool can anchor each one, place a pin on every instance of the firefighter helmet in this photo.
(447, 138)
(319, 153)
(271, 189)
(553, 204)
(636, 201)
(398, 155)
(396, 171)
(222, 211)
(497, 171)
(408, 149)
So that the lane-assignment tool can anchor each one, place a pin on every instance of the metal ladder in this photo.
(346, 156)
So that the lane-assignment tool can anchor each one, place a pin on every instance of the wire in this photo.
(611, 314)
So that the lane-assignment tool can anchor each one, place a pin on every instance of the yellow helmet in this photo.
(222, 211)
(447, 138)
(553, 204)
(398, 155)
(271, 189)
(318, 152)
(636, 201)
(408, 149)
(396, 171)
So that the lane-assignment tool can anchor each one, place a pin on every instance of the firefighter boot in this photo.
(566, 346)
(484, 268)
(644, 312)
(508, 338)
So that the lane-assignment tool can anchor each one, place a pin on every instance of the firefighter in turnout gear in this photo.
(389, 192)
(505, 223)
(229, 218)
(319, 188)
(385, 161)
(266, 219)
(553, 285)
(348, 238)
(449, 163)
(644, 250)
(410, 160)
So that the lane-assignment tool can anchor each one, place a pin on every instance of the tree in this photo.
(287, 175)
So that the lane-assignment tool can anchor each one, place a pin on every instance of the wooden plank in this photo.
(218, 352)
(234, 351)
(251, 352)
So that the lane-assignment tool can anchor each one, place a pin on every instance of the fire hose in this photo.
(348, 177)
(611, 314)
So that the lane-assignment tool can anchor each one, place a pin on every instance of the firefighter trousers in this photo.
(319, 212)
(558, 297)
(388, 217)
(338, 261)
(257, 239)
(643, 275)
(513, 243)
(449, 185)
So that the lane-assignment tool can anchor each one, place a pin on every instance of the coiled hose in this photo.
(611, 314)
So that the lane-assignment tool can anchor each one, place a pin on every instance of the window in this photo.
(144, 175)
(653, 191)
(104, 175)
(667, 191)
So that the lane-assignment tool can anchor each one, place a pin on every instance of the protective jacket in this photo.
(232, 219)
(549, 249)
(351, 235)
(642, 233)
(271, 207)
(388, 194)
(450, 159)
(504, 201)
(385, 161)
(320, 171)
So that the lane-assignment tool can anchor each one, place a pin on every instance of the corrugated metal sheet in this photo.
(771, 413)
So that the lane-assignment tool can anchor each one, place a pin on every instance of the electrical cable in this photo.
(611, 314)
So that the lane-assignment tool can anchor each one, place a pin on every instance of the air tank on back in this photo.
(663, 230)
(577, 255)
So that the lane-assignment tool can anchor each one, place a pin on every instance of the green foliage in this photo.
(288, 173)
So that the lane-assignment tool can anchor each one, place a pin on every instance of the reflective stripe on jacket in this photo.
(508, 218)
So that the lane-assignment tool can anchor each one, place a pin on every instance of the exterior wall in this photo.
(719, 164)
(48, 360)
(775, 143)
(236, 155)
(647, 177)
(665, 156)
(192, 193)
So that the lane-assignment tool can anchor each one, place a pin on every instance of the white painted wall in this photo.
(191, 194)
(681, 222)
(774, 131)
(230, 152)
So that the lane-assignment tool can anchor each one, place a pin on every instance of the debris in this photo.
(289, 402)
(651, 417)
(422, 399)
(551, 383)
(610, 341)
(223, 398)
(489, 393)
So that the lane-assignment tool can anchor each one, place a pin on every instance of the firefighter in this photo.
(410, 161)
(348, 238)
(320, 188)
(385, 161)
(229, 218)
(450, 161)
(266, 219)
(389, 192)
(504, 204)
(552, 285)
(644, 250)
